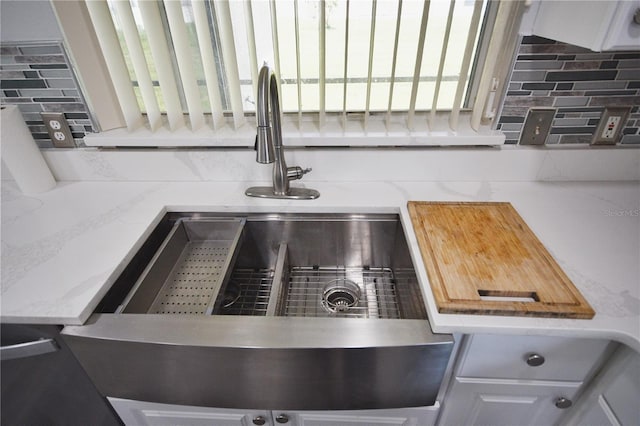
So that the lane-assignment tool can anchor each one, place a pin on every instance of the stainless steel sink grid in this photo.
(377, 298)
(231, 295)
(303, 294)
(411, 297)
(255, 289)
(226, 310)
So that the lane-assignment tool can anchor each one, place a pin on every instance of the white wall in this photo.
(529, 18)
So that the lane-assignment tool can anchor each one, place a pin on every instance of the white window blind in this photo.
(192, 64)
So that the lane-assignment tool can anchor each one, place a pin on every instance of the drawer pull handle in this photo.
(535, 360)
(25, 350)
(259, 420)
(282, 418)
(563, 402)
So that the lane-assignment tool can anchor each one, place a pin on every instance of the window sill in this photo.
(306, 134)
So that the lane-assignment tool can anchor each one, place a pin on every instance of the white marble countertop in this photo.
(62, 250)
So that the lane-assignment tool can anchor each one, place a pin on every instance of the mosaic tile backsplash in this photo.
(578, 82)
(37, 78)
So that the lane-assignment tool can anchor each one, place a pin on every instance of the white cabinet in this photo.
(422, 416)
(614, 396)
(140, 413)
(507, 357)
(503, 402)
(595, 24)
(524, 380)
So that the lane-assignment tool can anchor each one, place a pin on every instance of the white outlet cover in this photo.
(611, 127)
(609, 130)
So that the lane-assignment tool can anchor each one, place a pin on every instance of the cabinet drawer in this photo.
(530, 357)
(500, 402)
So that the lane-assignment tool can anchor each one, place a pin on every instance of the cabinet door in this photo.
(571, 22)
(612, 398)
(139, 413)
(505, 402)
(420, 416)
(599, 414)
(623, 394)
(602, 25)
(624, 33)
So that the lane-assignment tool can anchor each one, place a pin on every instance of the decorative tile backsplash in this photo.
(577, 82)
(37, 77)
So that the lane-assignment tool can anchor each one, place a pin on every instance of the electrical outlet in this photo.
(610, 127)
(58, 129)
(537, 126)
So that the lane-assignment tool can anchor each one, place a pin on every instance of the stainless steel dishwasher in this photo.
(268, 311)
(43, 384)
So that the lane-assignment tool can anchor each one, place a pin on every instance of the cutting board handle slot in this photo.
(508, 296)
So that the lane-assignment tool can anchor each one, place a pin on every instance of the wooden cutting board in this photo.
(482, 258)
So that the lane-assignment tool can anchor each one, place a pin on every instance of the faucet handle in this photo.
(294, 173)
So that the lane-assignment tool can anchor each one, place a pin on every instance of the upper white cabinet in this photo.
(597, 24)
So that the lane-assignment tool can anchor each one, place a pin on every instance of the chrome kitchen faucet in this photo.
(269, 145)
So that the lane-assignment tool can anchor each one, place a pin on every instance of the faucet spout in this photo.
(264, 139)
(269, 147)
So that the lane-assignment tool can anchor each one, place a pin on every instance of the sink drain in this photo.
(340, 295)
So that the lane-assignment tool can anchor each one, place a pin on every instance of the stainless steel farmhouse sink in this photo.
(269, 311)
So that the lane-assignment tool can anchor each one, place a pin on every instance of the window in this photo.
(385, 65)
